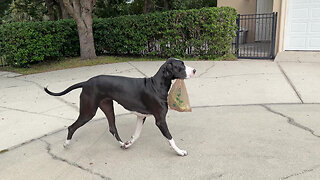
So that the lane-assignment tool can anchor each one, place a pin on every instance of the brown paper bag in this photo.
(178, 97)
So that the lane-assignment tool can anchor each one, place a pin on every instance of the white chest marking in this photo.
(140, 115)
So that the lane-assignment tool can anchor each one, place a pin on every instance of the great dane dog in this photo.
(142, 96)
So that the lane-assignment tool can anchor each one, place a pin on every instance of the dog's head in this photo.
(175, 69)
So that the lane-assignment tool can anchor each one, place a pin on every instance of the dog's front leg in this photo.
(162, 125)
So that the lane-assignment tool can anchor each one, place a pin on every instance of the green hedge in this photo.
(206, 32)
(26, 43)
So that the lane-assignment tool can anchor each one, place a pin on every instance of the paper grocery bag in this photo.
(178, 97)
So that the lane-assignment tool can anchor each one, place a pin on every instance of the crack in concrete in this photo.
(290, 83)
(55, 157)
(30, 141)
(297, 174)
(137, 69)
(206, 71)
(128, 70)
(300, 173)
(125, 114)
(291, 121)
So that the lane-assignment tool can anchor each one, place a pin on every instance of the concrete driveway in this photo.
(250, 120)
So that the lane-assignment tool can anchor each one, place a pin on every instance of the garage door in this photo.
(303, 25)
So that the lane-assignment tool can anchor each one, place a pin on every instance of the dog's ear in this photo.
(169, 66)
(168, 70)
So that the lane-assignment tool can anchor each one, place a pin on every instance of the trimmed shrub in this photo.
(27, 43)
(206, 33)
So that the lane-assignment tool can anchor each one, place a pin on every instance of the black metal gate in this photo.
(256, 36)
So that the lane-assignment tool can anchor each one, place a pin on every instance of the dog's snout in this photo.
(194, 71)
(190, 72)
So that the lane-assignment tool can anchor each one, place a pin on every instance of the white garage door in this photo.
(303, 25)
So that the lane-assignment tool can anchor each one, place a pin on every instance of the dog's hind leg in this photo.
(106, 105)
(88, 109)
(136, 135)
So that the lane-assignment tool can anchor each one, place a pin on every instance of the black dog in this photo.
(142, 96)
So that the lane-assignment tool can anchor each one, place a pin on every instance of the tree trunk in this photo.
(87, 49)
(165, 5)
(63, 11)
(49, 4)
(81, 11)
(147, 6)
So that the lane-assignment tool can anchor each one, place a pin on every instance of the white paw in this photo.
(182, 153)
(126, 145)
(66, 144)
(121, 143)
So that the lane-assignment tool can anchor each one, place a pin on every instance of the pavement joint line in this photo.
(138, 69)
(69, 103)
(14, 86)
(195, 107)
(59, 98)
(291, 121)
(290, 82)
(15, 76)
(301, 62)
(206, 71)
(4, 74)
(51, 133)
(217, 77)
(30, 112)
(301, 172)
(74, 107)
(55, 157)
(53, 108)
(244, 105)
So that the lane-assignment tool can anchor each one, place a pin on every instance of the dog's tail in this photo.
(75, 86)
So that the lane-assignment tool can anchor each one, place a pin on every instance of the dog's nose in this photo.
(194, 71)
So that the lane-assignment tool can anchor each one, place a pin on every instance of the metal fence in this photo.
(256, 36)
